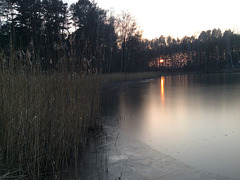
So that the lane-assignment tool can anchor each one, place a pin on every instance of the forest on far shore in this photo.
(82, 37)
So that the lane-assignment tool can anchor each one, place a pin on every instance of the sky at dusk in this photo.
(177, 18)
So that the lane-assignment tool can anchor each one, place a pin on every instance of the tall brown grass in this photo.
(44, 120)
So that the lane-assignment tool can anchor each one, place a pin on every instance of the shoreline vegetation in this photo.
(45, 120)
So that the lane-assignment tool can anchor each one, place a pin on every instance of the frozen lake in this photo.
(192, 118)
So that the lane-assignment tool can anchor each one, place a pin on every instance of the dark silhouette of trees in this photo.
(126, 28)
(52, 31)
(90, 35)
(110, 48)
(212, 50)
(4, 23)
(84, 38)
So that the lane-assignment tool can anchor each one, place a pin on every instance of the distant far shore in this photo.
(127, 77)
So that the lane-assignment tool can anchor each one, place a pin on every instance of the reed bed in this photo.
(44, 121)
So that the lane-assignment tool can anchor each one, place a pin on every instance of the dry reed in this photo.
(44, 120)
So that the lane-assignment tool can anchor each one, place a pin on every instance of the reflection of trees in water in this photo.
(125, 103)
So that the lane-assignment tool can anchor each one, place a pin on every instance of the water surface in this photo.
(193, 118)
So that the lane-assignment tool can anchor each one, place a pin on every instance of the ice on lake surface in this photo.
(131, 159)
(193, 119)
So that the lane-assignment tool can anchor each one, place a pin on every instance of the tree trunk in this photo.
(217, 58)
(123, 54)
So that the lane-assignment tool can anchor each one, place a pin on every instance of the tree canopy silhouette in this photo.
(86, 38)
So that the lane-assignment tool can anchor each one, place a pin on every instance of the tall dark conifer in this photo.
(89, 22)
(53, 27)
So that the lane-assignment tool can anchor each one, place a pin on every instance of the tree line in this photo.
(82, 37)
(212, 50)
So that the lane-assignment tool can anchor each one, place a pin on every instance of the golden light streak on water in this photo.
(162, 82)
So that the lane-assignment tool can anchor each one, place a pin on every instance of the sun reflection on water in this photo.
(162, 81)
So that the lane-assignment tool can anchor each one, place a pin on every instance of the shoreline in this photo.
(130, 158)
(126, 77)
(129, 78)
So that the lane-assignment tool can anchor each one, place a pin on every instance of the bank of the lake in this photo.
(112, 78)
(126, 77)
